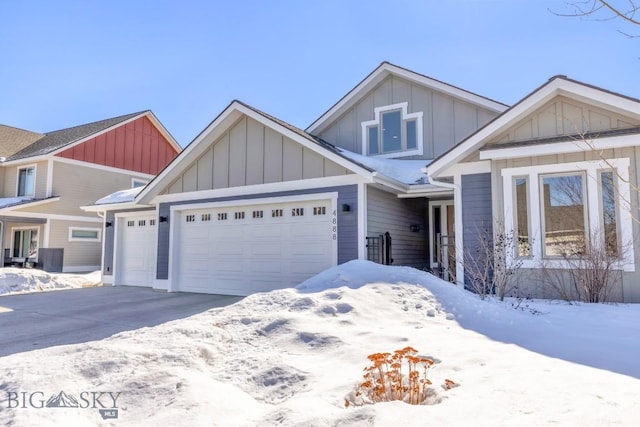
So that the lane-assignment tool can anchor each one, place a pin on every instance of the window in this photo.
(297, 212)
(557, 209)
(257, 214)
(563, 214)
(222, 216)
(131, 223)
(152, 222)
(393, 132)
(135, 182)
(320, 210)
(79, 234)
(206, 217)
(275, 213)
(25, 243)
(142, 223)
(26, 181)
(239, 215)
(190, 218)
(522, 217)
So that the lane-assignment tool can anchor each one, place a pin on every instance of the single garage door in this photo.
(136, 262)
(245, 249)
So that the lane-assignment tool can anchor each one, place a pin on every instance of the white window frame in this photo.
(85, 239)
(377, 121)
(140, 181)
(592, 196)
(35, 176)
(12, 239)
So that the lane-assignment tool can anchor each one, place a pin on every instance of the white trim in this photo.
(306, 184)
(459, 241)
(385, 69)
(107, 279)
(483, 166)
(80, 268)
(53, 216)
(362, 220)
(35, 179)
(49, 190)
(28, 204)
(591, 144)
(555, 87)
(592, 196)
(405, 117)
(25, 227)
(143, 176)
(46, 234)
(443, 221)
(114, 207)
(98, 237)
(216, 129)
(177, 212)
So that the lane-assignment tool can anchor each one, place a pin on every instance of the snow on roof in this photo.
(122, 196)
(405, 171)
(11, 201)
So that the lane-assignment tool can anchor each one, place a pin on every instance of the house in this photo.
(46, 177)
(254, 203)
(404, 169)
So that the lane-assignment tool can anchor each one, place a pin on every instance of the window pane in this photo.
(373, 140)
(33, 243)
(17, 239)
(84, 234)
(412, 138)
(392, 131)
(609, 215)
(563, 205)
(26, 181)
(522, 218)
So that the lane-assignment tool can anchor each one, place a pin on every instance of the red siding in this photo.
(137, 146)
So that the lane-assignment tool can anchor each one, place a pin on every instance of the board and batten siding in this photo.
(564, 116)
(347, 222)
(251, 153)
(387, 213)
(477, 215)
(80, 186)
(10, 187)
(445, 121)
(76, 254)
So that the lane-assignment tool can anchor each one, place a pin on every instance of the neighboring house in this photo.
(254, 204)
(45, 178)
(404, 169)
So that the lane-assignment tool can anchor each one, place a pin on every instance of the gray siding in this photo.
(446, 120)
(476, 213)
(250, 153)
(347, 222)
(386, 212)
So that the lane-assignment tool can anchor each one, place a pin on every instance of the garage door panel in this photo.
(137, 248)
(253, 249)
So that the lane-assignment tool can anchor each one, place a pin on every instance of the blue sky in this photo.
(66, 63)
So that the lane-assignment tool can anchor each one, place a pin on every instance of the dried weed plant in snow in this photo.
(385, 381)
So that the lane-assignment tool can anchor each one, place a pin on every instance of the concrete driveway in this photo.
(40, 320)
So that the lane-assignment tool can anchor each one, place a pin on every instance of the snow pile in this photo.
(292, 356)
(122, 196)
(23, 280)
(405, 171)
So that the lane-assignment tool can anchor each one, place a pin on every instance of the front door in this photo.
(441, 238)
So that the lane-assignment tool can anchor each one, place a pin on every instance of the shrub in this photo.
(385, 380)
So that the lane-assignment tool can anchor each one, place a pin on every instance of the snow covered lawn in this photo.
(24, 280)
(292, 356)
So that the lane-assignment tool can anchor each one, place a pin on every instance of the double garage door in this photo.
(239, 250)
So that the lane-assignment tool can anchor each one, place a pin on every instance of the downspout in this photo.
(457, 197)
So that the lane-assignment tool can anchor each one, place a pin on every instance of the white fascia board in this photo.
(380, 74)
(425, 190)
(30, 204)
(158, 124)
(390, 182)
(595, 144)
(60, 217)
(274, 187)
(469, 168)
(114, 207)
(607, 100)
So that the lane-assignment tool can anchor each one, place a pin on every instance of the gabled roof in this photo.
(53, 141)
(217, 128)
(380, 73)
(13, 139)
(555, 86)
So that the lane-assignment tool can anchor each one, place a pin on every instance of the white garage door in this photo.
(137, 250)
(244, 249)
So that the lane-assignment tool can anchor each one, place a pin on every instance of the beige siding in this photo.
(531, 282)
(446, 120)
(10, 184)
(250, 153)
(79, 254)
(386, 212)
(79, 186)
(564, 116)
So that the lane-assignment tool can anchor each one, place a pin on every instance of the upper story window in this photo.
(26, 181)
(135, 182)
(393, 132)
